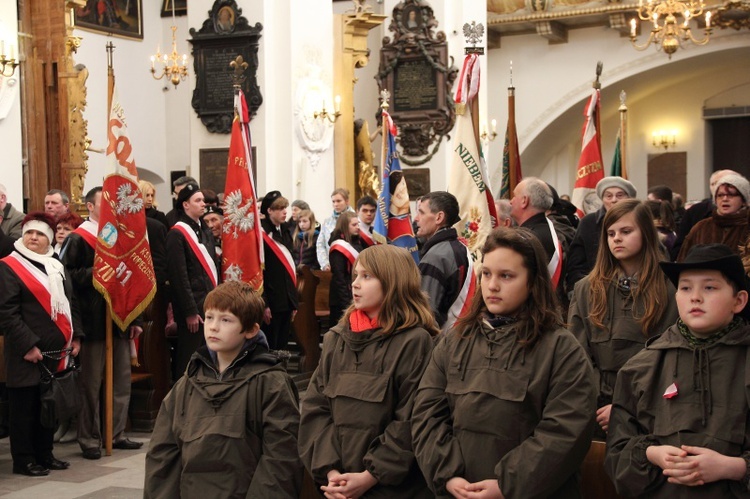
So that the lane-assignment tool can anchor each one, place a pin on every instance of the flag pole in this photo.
(109, 350)
(623, 134)
(512, 137)
(597, 118)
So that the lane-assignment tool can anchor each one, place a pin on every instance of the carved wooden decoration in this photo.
(415, 69)
(224, 36)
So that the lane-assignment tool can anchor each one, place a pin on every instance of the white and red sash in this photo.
(199, 250)
(345, 249)
(88, 231)
(283, 255)
(366, 238)
(463, 300)
(555, 264)
(38, 283)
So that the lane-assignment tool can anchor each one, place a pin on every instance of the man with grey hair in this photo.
(532, 198)
(56, 203)
(10, 218)
(503, 208)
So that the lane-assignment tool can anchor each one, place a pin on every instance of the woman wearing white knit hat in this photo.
(41, 324)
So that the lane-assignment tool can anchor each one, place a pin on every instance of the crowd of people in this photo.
(573, 335)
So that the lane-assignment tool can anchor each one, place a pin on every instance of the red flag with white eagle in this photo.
(590, 170)
(123, 269)
(241, 237)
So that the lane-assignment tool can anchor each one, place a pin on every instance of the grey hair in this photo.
(540, 196)
(503, 209)
(63, 195)
(3, 190)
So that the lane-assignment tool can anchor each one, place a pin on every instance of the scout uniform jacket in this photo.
(356, 411)
(710, 410)
(489, 408)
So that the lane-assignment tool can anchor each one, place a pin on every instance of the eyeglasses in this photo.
(720, 195)
(618, 195)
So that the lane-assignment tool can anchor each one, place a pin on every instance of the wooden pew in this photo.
(305, 325)
(595, 483)
(151, 381)
(322, 309)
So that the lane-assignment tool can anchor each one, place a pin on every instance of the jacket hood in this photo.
(358, 341)
(215, 387)
(671, 338)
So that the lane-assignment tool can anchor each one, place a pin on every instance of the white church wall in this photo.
(10, 126)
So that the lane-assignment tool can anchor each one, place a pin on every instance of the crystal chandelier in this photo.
(670, 24)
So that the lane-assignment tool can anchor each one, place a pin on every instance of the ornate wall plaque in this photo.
(213, 168)
(224, 36)
(415, 69)
(418, 182)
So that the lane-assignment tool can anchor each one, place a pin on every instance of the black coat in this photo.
(307, 255)
(157, 242)
(6, 244)
(583, 248)
(340, 290)
(279, 290)
(157, 215)
(25, 324)
(539, 226)
(696, 213)
(188, 281)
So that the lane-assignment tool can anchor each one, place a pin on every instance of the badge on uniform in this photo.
(671, 391)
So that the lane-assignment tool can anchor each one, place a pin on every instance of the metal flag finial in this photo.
(384, 96)
(239, 66)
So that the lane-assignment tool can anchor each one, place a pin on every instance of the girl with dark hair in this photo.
(505, 406)
(344, 249)
(354, 435)
(624, 300)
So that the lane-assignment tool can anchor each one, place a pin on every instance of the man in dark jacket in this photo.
(193, 272)
(444, 260)
(79, 262)
(531, 200)
(279, 275)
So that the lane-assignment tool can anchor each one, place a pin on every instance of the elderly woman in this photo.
(728, 224)
(39, 319)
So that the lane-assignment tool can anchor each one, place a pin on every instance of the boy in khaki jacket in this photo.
(228, 428)
(679, 422)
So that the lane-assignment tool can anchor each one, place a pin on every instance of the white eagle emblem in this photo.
(128, 200)
(238, 217)
(233, 273)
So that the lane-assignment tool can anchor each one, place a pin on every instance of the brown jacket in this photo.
(711, 410)
(227, 436)
(488, 408)
(356, 411)
(622, 337)
(731, 230)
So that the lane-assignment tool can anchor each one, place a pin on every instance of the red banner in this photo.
(123, 269)
(241, 239)
(590, 170)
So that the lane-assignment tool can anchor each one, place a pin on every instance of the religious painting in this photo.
(111, 17)
(179, 6)
(225, 20)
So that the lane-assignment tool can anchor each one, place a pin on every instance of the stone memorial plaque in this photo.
(414, 86)
(213, 168)
(418, 182)
(224, 36)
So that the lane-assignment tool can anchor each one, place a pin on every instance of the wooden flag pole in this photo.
(109, 350)
(623, 134)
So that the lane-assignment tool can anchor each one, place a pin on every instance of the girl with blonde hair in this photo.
(355, 426)
(625, 299)
(304, 239)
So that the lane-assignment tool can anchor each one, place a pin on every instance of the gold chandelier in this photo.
(666, 32)
(173, 70)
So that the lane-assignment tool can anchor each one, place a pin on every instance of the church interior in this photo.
(317, 66)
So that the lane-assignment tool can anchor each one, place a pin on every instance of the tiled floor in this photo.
(118, 476)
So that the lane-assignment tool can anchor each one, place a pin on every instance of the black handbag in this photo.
(60, 397)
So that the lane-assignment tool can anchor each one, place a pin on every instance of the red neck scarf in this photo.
(359, 321)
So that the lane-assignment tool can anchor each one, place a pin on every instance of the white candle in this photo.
(494, 126)
(632, 28)
(708, 19)
(337, 103)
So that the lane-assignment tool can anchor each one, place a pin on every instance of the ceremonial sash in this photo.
(366, 238)
(88, 231)
(283, 255)
(555, 264)
(38, 283)
(345, 249)
(200, 251)
(463, 300)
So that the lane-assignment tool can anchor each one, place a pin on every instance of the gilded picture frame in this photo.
(123, 18)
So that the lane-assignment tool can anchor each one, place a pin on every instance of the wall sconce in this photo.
(8, 62)
(325, 115)
(489, 137)
(664, 139)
